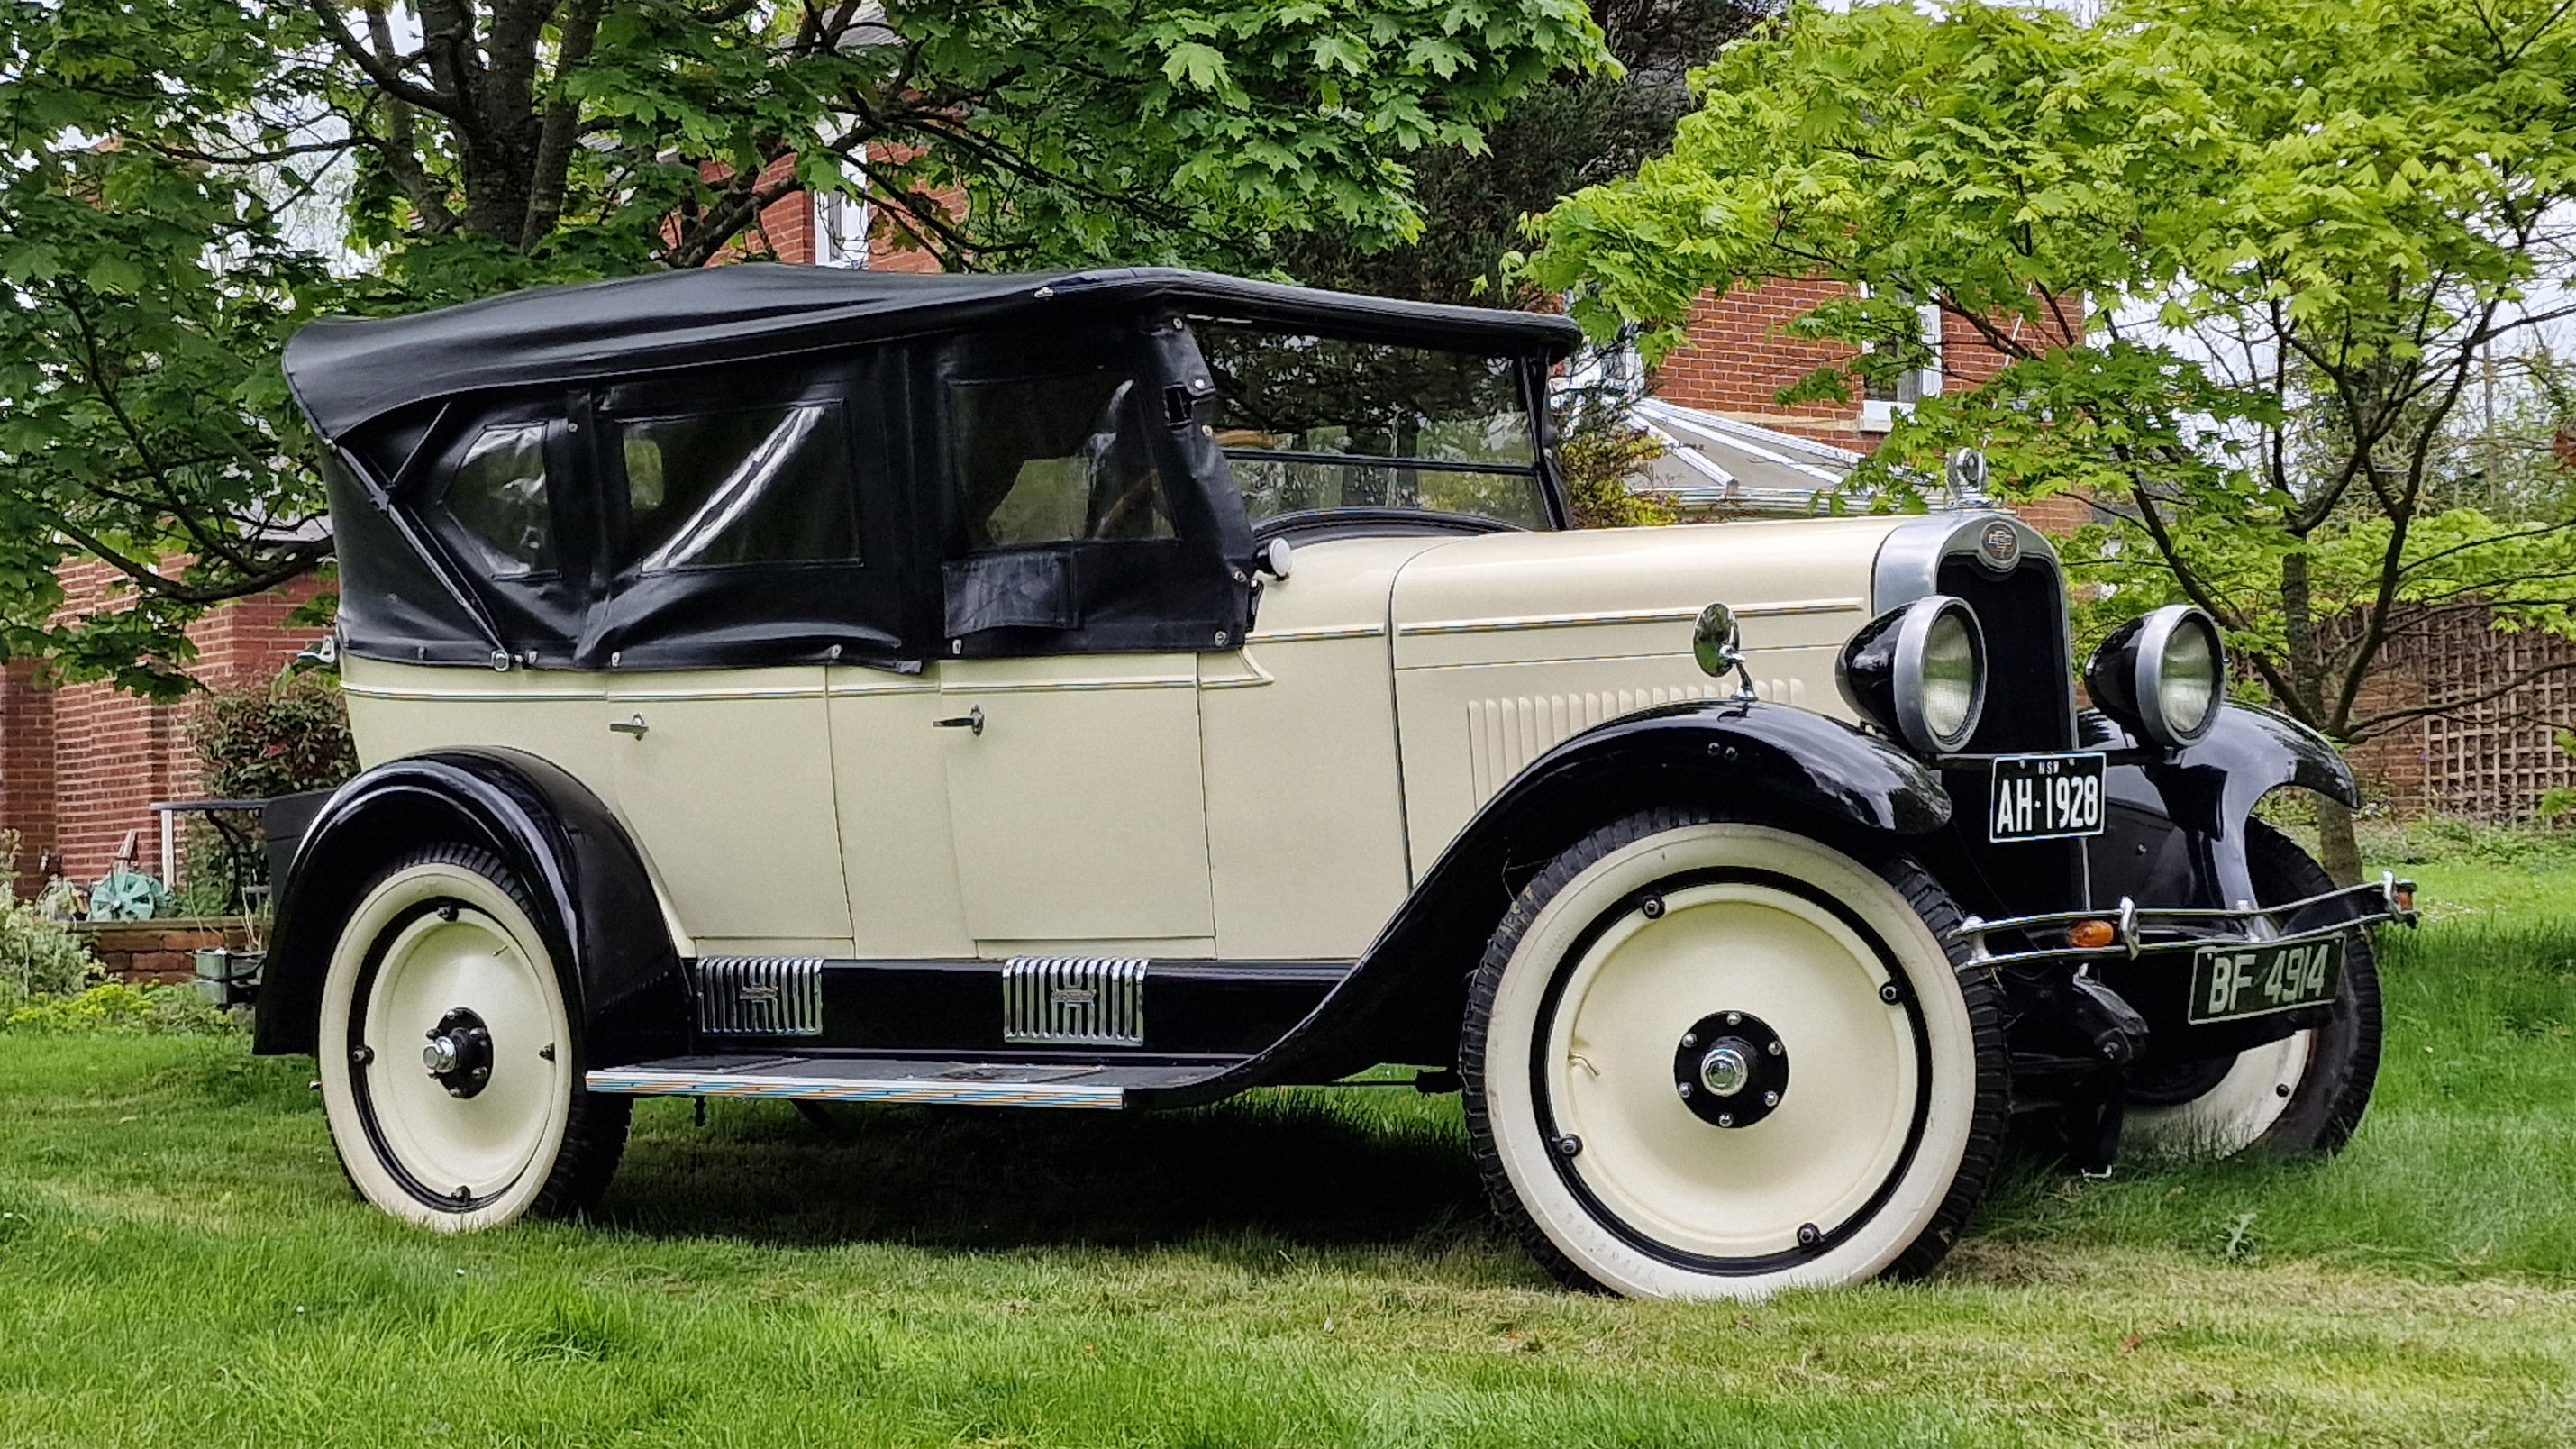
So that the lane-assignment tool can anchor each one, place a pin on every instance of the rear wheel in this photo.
(1707, 1058)
(2303, 1094)
(450, 1068)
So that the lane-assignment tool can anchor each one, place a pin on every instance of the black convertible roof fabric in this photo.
(349, 371)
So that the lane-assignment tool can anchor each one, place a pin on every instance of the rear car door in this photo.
(1085, 566)
(724, 507)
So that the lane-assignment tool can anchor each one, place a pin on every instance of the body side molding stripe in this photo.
(639, 1082)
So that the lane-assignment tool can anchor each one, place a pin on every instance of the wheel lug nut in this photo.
(1685, 1087)
(1690, 1038)
(1735, 1018)
(1725, 1119)
(1775, 1049)
(1770, 1099)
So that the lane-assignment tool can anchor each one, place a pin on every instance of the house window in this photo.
(1883, 401)
(841, 225)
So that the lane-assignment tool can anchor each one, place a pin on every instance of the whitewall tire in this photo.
(1709, 1058)
(2303, 1094)
(449, 1060)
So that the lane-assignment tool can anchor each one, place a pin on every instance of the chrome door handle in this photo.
(635, 726)
(972, 720)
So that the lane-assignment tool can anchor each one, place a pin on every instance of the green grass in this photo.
(181, 1263)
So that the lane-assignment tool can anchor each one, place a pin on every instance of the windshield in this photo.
(1316, 422)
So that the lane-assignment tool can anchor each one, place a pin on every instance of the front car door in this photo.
(1087, 562)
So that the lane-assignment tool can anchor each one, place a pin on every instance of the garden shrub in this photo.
(119, 1009)
(279, 737)
(268, 738)
(38, 957)
(1598, 460)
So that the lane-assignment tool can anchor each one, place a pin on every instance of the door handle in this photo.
(971, 721)
(635, 726)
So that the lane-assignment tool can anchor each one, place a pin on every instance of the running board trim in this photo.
(638, 1082)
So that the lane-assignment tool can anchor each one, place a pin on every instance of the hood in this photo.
(1513, 598)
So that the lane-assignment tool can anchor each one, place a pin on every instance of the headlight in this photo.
(2161, 674)
(1920, 673)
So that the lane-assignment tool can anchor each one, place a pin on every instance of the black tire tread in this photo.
(2343, 1063)
(1920, 891)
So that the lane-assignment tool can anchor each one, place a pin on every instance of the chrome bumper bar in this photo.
(2134, 928)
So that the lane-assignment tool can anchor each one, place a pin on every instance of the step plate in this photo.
(845, 1079)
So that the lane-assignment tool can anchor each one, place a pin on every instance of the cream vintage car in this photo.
(1123, 689)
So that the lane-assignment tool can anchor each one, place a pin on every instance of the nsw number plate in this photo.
(2232, 981)
(2045, 797)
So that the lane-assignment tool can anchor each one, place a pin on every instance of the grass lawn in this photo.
(181, 1263)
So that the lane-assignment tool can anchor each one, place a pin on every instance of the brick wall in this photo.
(1739, 355)
(80, 763)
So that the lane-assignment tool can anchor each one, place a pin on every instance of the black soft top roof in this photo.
(348, 371)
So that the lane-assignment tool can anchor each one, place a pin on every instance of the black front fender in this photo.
(1773, 762)
(603, 924)
(2176, 829)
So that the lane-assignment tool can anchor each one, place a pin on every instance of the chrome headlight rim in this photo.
(2128, 681)
(1882, 673)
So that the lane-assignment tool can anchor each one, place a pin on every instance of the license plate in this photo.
(2228, 982)
(2045, 797)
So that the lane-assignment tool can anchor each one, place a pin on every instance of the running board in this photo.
(897, 1080)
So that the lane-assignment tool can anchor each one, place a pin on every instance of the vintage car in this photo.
(1124, 689)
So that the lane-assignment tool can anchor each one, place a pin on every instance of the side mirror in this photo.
(1276, 558)
(1717, 642)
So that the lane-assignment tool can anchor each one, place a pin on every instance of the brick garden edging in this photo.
(137, 952)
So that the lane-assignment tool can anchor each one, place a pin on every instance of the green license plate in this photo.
(2230, 982)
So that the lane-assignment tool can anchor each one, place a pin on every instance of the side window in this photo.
(498, 496)
(763, 485)
(1051, 459)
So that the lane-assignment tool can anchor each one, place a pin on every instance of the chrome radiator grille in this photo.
(760, 995)
(2030, 679)
(1073, 1000)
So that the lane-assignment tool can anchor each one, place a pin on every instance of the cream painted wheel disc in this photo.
(1842, 1124)
(2232, 1115)
(430, 940)
(1581, 1059)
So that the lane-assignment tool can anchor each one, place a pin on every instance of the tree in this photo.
(191, 179)
(1576, 128)
(2246, 259)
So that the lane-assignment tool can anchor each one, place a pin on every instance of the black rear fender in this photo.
(2175, 831)
(1773, 763)
(601, 919)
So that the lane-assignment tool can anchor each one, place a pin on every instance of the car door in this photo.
(724, 505)
(1083, 571)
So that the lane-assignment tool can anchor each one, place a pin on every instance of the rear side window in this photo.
(1051, 459)
(763, 485)
(497, 495)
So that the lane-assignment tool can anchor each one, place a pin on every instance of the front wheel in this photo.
(2301, 1095)
(450, 1068)
(1708, 1058)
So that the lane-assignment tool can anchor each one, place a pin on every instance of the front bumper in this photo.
(2136, 932)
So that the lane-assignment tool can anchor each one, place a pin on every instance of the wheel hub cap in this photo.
(1731, 1069)
(1726, 1069)
(459, 1054)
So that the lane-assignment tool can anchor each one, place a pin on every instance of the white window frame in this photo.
(1878, 415)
